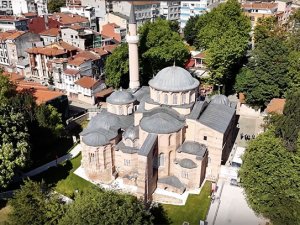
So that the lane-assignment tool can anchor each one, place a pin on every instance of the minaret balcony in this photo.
(132, 39)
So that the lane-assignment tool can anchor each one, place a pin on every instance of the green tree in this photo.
(271, 179)
(54, 5)
(14, 147)
(106, 207)
(35, 204)
(47, 116)
(160, 46)
(288, 127)
(224, 33)
(190, 30)
(117, 67)
(265, 76)
(7, 89)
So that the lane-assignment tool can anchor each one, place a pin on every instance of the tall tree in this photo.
(224, 33)
(288, 127)
(190, 30)
(160, 46)
(106, 207)
(35, 204)
(54, 5)
(265, 76)
(14, 147)
(271, 179)
(117, 67)
(7, 89)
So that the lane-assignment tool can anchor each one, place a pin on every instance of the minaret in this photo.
(132, 40)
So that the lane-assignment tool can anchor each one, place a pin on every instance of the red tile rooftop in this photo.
(87, 82)
(77, 61)
(12, 18)
(261, 5)
(72, 72)
(51, 32)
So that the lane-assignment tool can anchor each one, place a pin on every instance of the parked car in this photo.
(234, 182)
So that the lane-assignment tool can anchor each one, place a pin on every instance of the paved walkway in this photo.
(72, 154)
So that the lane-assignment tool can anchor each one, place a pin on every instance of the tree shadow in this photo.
(54, 174)
(160, 215)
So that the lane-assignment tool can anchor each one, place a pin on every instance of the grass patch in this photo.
(5, 209)
(193, 211)
(63, 179)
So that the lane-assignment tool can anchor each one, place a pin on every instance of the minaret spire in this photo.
(132, 40)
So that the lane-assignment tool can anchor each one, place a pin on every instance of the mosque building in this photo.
(158, 137)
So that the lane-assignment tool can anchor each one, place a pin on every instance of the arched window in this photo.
(157, 96)
(175, 99)
(161, 159)
(120, 110)
(166, 99)
(183, 98)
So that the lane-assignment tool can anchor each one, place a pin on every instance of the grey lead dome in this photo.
(120, 98)
(220, 99)
(174, 79)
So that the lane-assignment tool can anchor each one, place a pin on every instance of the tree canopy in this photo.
(54, 5)
(105, 207)
(190, 30)
(262, 79)
(160, 46)
(224, 34)
(35, 204)
(271, 179)
(288, 126)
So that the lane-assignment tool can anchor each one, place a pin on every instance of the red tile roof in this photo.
(261, 5)
(201, 55)
(77, 61)
(110, 48)
(72, 72)
(12, 18)
(53, 32)
(109, 31)
(190, 63)
(54, 49)
(88, 55)
(68, 18)
(87, 82)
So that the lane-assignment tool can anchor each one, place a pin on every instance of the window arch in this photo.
(166, 99)
(175, 99)
(157, 96)
(183, 98)
(161, 159)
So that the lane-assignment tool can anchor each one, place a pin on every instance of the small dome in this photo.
(120, 98)
(174, 79)
(95, 139)
(131, 133)
(105, 121)
(220, 99)
(187, 163)
(161, 123)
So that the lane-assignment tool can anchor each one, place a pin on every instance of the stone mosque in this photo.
(158, 137)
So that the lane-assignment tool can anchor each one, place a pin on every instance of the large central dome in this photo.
(175, 79)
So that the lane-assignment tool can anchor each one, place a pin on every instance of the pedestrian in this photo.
(242, 135)
(253, 136)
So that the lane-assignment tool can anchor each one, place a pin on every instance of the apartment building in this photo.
(170, 10)
(192, 8)
(50, 36)
(5, 7)
(85, 11)
(81, 37)
(23, 6)
(13, 23)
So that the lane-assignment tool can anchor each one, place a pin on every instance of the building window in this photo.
(175, 99)
(71, 36)
(183, 99)
(157, 96)
(161, 159)
(126, 162)
(205, 138)
(185, 174)
(166, 99)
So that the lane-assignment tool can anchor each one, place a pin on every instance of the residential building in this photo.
(170, 10)
(42, 7)
(81, 37)
(114, 31)
(50, 36)
(40, 58)
(256, 10)
(144, 10)
(73, 2)
(23, 6)
(5, 7)
(13, 47)
(85, 11)
(68, 19)
(114, 17)
(13, 23)
(192, 8)
(100, 9)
